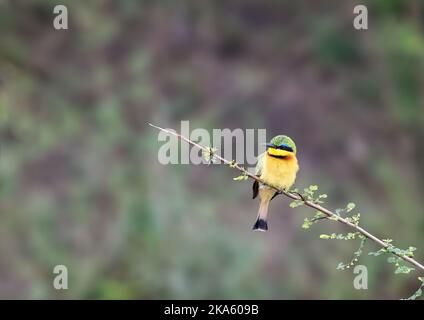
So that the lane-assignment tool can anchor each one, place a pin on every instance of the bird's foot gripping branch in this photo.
(402, 259)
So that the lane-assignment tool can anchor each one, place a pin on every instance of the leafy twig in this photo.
(307, 199)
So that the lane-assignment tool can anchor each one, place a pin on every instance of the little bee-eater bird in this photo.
(277, 167)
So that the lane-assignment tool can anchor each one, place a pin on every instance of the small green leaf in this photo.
(377, 253)
(296, 203)
(350, 206)
(306, 224)
(391, 259)
(403, 269)
(341, 266)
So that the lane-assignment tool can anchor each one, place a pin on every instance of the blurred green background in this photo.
(80, 182)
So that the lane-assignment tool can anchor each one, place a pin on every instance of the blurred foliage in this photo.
(80, 184)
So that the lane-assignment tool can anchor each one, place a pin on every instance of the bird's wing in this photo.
(255, 189)
(258, 172)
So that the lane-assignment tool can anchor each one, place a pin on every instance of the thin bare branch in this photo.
(297, 196)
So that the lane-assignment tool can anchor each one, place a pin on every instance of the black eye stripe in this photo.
(287, 148)
(284, 148)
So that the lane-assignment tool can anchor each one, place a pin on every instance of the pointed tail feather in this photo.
(260, 225)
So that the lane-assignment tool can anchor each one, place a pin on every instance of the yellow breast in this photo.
(280, 173)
